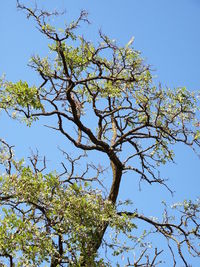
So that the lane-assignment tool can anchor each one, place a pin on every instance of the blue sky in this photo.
(168, 35)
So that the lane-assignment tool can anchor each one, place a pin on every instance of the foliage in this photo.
(44, 208)
(60, 219)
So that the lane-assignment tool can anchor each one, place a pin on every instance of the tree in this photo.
(63, 218)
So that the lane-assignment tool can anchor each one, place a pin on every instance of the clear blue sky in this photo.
(168, 35)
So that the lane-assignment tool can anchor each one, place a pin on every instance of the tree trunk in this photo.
(98, 236)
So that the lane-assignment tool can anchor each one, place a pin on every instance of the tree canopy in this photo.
(104, 100)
